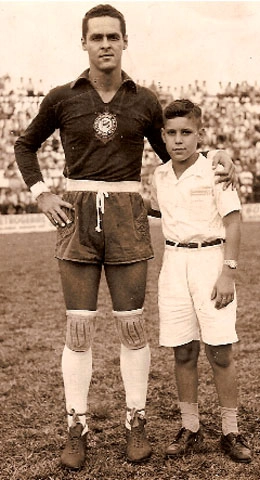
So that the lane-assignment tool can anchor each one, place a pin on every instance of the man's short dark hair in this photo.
(183, 108)
(105, 10)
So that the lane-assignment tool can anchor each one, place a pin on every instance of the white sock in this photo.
(229, 420)
(190, 416)
(135, 367)
(77, 372)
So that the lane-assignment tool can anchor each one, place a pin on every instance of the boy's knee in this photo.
(187, 353)
(220, 356)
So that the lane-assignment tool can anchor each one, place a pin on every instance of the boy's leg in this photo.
(189, 437)
(127, 288)
(223, 366)
(179, 329)
(186, 372)
(80, 284)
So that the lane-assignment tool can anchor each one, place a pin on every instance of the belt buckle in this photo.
(192, 245)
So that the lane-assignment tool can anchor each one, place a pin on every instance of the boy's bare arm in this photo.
(224, 288)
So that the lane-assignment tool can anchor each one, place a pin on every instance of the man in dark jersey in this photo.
(103, 117)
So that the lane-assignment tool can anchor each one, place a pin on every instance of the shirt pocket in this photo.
(200, 204)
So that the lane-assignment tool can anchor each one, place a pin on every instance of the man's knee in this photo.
(80, 329)
(187, 353)
(131, 328)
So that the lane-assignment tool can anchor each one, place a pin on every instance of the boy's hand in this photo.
(223, 290)
(51, 205)
(228, 174)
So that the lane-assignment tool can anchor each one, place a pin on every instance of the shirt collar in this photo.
(84, 76)
(198, 169)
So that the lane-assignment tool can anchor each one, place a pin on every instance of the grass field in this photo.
(33, 424)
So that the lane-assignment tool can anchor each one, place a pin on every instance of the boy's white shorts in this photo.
(186, 311)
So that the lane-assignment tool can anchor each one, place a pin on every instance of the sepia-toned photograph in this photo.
(129, 198)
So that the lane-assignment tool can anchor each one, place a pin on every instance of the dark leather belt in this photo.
(218, 241)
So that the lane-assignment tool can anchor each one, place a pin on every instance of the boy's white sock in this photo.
(229, 420)
(190, 416)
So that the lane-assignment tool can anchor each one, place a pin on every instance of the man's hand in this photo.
(228, 174)
(223, 290)
(51, 205)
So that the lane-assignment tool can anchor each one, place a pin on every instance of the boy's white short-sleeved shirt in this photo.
(193, 205)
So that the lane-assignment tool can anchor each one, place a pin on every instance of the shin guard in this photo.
(80, 329)
(131, 328)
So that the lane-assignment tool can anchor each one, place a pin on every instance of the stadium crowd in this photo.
(231, 118)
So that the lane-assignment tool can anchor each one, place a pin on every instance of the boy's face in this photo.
(181, 136)
(104, 43)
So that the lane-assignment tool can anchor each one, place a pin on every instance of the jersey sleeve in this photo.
(26, 146)
(153, 132)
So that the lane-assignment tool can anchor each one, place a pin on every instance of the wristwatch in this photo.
(231, 264)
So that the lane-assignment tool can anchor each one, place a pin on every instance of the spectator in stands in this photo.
(30, 88)
(21, 88)
(246, 182)
(40, 88)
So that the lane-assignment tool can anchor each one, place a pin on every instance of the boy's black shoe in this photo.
(236, 446)
(185, 442)
(74, 453)
(138, 447)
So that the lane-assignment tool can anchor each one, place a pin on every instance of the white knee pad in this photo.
(80, 329)
(131, 328)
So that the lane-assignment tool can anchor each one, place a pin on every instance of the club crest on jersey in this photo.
(105, 126)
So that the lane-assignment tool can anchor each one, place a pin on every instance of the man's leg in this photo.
(80, 284)
(223, 366)
(127, 285)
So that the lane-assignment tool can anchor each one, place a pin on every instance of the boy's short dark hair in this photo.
(101, 10)
(183, 108)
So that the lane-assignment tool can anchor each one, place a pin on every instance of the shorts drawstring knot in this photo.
(100, 207)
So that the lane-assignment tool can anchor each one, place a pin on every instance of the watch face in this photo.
(231, 263)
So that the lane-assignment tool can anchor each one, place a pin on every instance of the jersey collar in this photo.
(84, 77)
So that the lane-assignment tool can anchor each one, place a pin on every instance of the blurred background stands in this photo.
(231, 118)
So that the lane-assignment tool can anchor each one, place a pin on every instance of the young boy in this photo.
(201, 225)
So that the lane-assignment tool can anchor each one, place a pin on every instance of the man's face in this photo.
(104, 43)
(181, 136)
